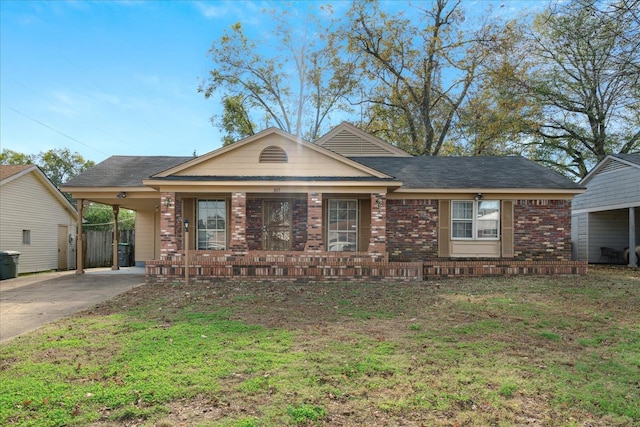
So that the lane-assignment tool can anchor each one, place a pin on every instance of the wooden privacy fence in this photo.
(98, 248)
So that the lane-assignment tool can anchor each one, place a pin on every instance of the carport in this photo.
(606, 217)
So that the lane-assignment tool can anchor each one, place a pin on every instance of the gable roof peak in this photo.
(351, 141)
(623, 159)
(8, 171)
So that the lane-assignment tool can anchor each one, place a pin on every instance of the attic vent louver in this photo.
(273, 154)
(613, 166)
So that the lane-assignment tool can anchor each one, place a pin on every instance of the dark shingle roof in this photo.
(435, 172)
(124, 171)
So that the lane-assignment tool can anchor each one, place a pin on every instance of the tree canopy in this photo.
(561, 88)
(292, 78)
(587, 81)
(58, 164)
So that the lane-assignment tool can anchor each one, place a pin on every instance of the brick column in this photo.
(314, 223)
(168, 229)
(378, 238)
(238, 242)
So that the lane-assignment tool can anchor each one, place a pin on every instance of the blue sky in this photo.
(105, 78)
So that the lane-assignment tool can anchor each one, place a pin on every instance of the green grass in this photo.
(498, 351)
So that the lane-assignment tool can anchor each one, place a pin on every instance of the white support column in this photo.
(633, 259)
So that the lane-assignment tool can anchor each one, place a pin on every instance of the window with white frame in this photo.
(212, 225)
(26, 237)
(342, 227)
(475, 219)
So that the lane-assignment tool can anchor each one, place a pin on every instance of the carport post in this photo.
(633, 259)
(79, 239)
(116, 210)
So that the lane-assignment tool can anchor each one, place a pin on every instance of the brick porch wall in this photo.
(344, 266)
(503, 267)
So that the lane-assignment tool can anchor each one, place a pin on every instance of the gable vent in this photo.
(349, 145)
(273, 154)
(613, 165)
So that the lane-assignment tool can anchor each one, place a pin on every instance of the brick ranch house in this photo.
(349, 206)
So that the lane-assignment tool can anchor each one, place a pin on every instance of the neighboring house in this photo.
(605, 220)
(349, 205)
(36, 220)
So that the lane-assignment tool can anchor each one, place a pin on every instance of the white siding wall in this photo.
(608, 197)
(27, 204)
(615, 188)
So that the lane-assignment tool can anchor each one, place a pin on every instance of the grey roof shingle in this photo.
(124, 171)
(434, 172)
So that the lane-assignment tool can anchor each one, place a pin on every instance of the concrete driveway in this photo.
(26, 303)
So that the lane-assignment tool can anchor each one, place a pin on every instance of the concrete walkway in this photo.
(28, 302)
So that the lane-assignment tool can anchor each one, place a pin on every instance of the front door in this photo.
(276, 225)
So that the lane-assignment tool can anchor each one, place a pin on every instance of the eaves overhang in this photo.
(568, 191)
(220, 181)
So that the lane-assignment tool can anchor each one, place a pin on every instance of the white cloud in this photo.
(213, 10)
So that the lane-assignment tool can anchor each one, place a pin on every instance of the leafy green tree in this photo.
(496, 118)
(100, 217)
(420, 69)
(10, 157)
(291, 78)
(587, 82)
(58, 164)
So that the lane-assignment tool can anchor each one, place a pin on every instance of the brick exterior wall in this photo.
(314, 223)
(412, 230)
(542, 230)
(541, 246)
(168, 231)
(238, 221)
(299, 223)
(378, 238)
(254, 224)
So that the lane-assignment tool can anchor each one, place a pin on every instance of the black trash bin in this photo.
(124, 255)
(9, 264)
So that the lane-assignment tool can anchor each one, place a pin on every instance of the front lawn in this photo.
(495, 351)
